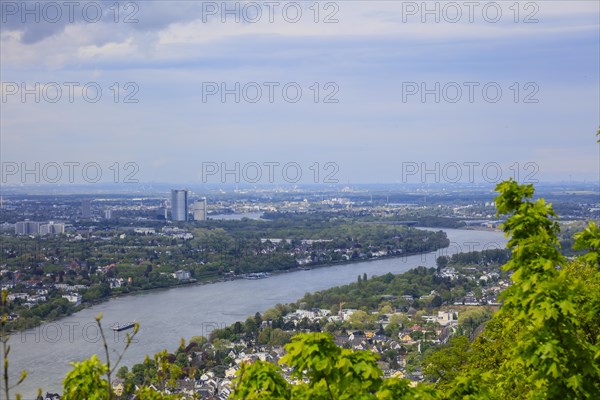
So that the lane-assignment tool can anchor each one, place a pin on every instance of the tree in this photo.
(543, 343)
(391, 330)
(199, 340)
(445, 364)
(4, 338)
(386, 309)
(122, 372)
(260, 380)
(471, 318)
(558, 358)
(441, 262)
(86, 379)
(250, 326)
(437, 301)
(323, 371)
(361, 320)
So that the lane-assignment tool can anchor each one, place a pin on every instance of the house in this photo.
(406, 338)
(144, 231)
(230, 373)
(70, 288)
(347, 312)
(182, 275)
(73, 298)
(14, 296)
(445, 318)
(116, 282)
(49, 396)
(305, 314)
(118, 386)
(186, 386)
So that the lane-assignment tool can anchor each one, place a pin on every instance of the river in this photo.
(167, 315)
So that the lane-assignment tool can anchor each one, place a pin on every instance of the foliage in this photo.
(545, 304)
(322, 370)
(4, 338)
(589, 239)
(444, 365)
(260, 380)
(85, 381)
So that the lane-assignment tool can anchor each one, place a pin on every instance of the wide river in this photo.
(167, 315)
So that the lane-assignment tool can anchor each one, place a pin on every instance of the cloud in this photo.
(159, 31)
(110, 50)
(369, 53)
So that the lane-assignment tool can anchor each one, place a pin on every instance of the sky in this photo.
(299, 92)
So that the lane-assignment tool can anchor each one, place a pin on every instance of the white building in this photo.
(52, 228)
(73, 298)
(183, 275)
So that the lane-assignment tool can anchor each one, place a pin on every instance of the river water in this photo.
(167, 315)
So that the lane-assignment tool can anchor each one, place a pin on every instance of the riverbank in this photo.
(196, 282)
(165, 316)
(33, 318)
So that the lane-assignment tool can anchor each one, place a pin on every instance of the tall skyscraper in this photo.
(86, 209)
(179, 205)
(199, 210)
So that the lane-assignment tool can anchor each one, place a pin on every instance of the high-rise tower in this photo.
(179, 205)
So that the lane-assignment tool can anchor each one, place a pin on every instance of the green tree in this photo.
(361, 320)
(122, 372)
(85, 381)
(543, 343)
(4, 338)
(445, 364)
(553, 352)
(199, 340)
(323, 371)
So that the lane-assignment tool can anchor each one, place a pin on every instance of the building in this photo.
(182, 275)
(108, 214)
(179, 205)
(27, 228)
(145, 231)
(199, 210)
(73, 298)
(52, 228)
(86, 209)
(162, 210)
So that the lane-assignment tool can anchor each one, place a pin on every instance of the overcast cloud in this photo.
(158, 65)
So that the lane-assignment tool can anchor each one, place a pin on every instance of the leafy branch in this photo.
(4, 338)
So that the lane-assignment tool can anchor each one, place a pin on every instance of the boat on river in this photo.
(117, 327)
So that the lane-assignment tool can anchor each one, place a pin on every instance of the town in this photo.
(61, 254)
(402, 330)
